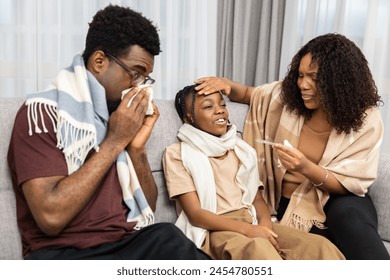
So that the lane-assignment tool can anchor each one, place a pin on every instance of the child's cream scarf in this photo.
(76, 105)
(196, 147)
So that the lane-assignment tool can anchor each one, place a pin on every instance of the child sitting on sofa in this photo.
(213, 176)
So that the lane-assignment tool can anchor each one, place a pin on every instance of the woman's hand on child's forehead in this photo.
(209, 85)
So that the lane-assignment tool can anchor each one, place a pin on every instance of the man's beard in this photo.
(112, 106)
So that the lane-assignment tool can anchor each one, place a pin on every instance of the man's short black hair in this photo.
(114, 29)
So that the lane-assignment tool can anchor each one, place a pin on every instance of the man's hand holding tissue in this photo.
(150, 111)
(146, 129)
(148, 89)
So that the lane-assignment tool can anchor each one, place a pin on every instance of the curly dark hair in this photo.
(183, 103)
(344, 81)
(115, 29)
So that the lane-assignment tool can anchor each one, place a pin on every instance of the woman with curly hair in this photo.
(317, 134)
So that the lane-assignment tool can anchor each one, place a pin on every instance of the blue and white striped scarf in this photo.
(76, 105)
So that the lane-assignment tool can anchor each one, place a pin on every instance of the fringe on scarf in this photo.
(73, 141)
(302, 224)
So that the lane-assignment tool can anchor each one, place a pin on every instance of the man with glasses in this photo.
(137, 79)
(83, 185)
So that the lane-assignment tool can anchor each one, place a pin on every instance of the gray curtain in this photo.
(249, 36)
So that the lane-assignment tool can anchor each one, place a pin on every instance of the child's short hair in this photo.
(182, 104)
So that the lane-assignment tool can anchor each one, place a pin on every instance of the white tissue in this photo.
(149, 89)
(286, 143)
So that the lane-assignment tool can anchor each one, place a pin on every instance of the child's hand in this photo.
(266, 233)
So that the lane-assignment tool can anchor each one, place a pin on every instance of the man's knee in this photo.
(168, 231)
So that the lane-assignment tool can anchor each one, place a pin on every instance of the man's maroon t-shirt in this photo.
(102, 220)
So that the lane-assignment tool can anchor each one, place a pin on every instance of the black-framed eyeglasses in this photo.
(136, 78)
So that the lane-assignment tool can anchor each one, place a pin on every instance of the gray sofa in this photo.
(163, 135)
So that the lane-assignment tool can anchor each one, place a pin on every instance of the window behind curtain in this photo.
(40, 37)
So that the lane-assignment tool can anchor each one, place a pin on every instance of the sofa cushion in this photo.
(165, 209)
(10, 242)
(380, 194)
(163, 134)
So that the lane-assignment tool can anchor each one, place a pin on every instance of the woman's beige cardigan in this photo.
(352, 158)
